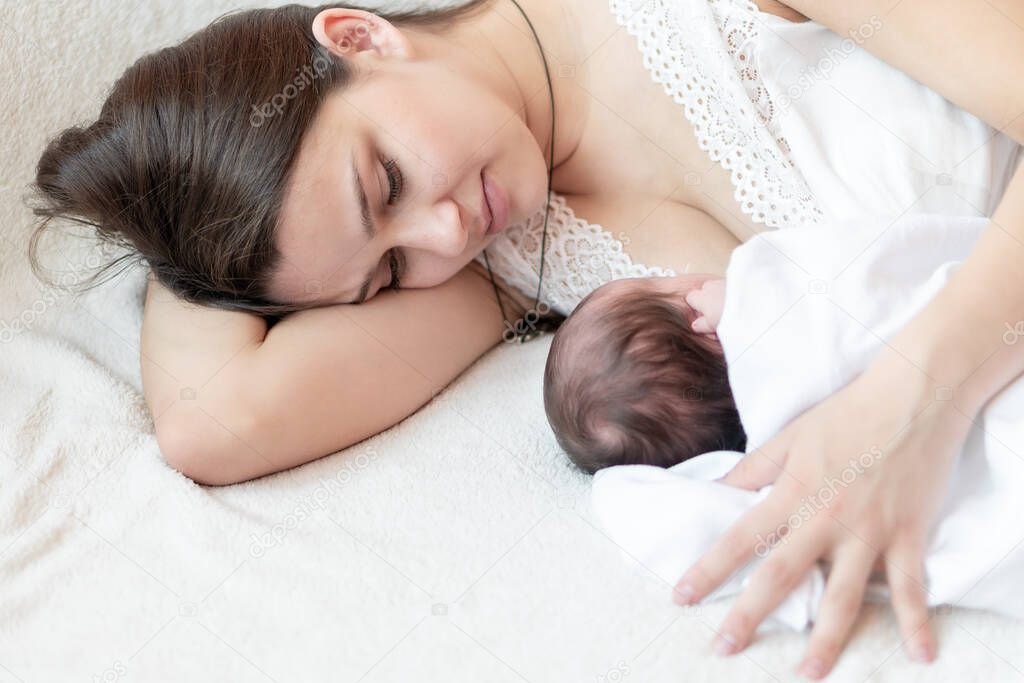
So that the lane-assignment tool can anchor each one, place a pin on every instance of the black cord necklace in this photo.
(526, 329)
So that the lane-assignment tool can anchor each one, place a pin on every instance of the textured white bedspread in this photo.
(458, 546)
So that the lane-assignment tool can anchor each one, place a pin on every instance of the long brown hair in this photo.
(187, 163)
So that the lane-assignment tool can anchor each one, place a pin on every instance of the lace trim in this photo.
(579, 257)
(703, 53)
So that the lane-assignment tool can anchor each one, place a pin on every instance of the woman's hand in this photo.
(858, 476)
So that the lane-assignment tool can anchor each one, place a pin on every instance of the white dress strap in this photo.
(703, 53)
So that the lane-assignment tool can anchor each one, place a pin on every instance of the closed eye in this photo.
(395, 261)
(395, 181)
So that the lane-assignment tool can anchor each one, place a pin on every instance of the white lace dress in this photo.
(702, 53)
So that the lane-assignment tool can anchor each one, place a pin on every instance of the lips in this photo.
(497, 203)
(485, 207)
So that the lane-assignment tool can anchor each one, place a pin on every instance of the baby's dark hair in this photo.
(628, 381)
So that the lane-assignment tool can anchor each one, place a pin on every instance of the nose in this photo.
(441, 228)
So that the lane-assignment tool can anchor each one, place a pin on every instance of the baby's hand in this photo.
(708, 302)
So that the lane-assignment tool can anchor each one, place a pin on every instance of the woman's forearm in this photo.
(957, 341)
(950, 359)
(964, 343)
(320, 380)
(194, 361)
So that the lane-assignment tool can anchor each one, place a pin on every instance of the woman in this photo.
(446, 126)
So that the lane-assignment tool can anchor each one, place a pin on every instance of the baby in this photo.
(636, 375)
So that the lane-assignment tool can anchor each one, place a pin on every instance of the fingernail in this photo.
(725, 644)
(920, 652)
(813, 667)
(683, 594)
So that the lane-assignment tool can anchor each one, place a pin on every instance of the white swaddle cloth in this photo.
(806, 310)
(868, 138)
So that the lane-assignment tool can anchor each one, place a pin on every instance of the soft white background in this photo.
(458, 546)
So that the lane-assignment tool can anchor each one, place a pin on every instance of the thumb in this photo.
(759, 467)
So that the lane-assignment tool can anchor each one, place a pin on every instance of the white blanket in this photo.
(806, 310)
(464, 551)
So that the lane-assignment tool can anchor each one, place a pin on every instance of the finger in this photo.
(732, 550)
(904, 568)
(761, 466)
(702, 326)
(844, 595)
(785, 567)
(877, 569)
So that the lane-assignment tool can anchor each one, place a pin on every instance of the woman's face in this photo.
(418, 136)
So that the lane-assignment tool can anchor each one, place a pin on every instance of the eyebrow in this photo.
(368, 227)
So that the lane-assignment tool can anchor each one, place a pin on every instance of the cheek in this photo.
(451, 126)
(527, 167)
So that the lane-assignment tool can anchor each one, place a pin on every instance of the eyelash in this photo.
(395, 183)
(395, 180)
(393, 263)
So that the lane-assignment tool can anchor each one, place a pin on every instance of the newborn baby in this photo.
(636, 375)
(806, 310)
(656, 371)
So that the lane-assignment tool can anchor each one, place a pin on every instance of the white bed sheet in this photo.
(464, 550)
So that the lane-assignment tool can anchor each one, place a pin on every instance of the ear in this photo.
(348, 31)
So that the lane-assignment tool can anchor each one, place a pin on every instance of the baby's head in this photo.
(628, 381)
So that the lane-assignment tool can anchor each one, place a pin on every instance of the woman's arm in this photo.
(962, 328)
(232, 401)
(916, 403)
(968, 51)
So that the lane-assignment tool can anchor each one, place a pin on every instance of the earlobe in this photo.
(347, 31)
